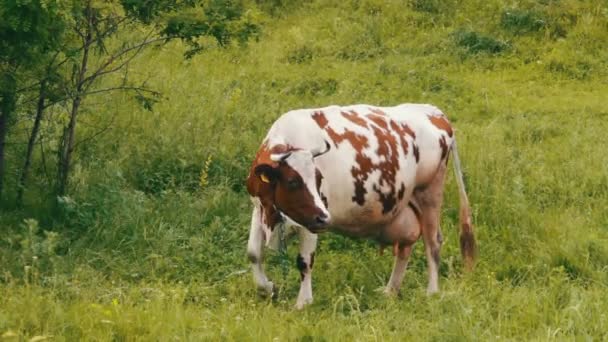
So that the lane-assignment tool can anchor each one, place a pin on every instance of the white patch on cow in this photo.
(254, 249)
(302, 163)
(308, 244)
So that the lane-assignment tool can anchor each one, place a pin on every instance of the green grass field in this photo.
(150, 244)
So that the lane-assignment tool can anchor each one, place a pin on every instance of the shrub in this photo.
(521, 22)
(475, 42)
(300, 55)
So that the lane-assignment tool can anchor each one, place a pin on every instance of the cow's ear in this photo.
(266, 173)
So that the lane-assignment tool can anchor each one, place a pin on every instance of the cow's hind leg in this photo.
(430, 199)
(402, 256)
(256, 256)
(305, 261)
(404, 232)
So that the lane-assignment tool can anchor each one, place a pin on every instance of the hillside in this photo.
(150, 242)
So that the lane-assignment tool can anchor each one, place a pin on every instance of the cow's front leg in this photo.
(305, 261)
(255, 253)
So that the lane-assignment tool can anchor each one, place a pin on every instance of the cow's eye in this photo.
(294, 183)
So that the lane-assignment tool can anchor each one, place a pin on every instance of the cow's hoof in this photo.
(267, 291)
(390, 292)
(432, 291)
(302, 303)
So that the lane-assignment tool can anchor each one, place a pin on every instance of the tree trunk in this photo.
(32, 142)
(65, 158)
(68, 148)
(7, 109)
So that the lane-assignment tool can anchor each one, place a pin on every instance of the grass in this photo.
(141, 251)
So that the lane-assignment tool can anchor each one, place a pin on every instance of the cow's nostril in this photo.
(322, 219)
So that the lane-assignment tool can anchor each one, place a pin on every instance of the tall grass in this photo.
(140, 251)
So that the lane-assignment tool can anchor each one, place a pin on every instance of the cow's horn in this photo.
(279, 157)
(317, 151)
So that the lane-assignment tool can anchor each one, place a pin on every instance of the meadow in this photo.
(150, 242)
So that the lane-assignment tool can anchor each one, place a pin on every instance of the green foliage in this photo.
(521, 21)
(225, 21)
(151, 242)
(475, 42)
(29, 29)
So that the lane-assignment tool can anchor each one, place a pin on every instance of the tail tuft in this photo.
(468, 246)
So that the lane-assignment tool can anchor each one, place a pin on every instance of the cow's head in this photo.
(290, 180)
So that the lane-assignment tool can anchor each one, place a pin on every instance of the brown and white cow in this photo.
(362, 171)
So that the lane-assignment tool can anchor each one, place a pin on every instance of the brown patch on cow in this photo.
(387, 148)
(275, 196)
(390, 135)
(320, 119)
(444, 147)
(377, 111)
(408, 130)
(416, 153)
(324, 200)
(441, 122)
(403, 130)
(388, 200)
(416, 210)
(360, 175)
(265, 191)
(401, 191)
(319, 179)
(298, 203)
(358, 142)
(379, 120)
(355, 118)
(301, 264)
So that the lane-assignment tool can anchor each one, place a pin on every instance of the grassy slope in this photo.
(170, 263)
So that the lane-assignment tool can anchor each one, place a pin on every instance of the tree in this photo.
(99, 22)
(71, 45)
(29, 33)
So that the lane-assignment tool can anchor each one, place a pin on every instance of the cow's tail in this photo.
(467, 238)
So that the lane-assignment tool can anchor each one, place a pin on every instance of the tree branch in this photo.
(123, 88)
(98, 133)
(102, 69)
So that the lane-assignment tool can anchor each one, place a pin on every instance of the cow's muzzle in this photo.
(320, 224)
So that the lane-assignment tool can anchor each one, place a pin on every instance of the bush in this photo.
(521, 22)
(475, 42)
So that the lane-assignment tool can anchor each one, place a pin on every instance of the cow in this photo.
(361, 171)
